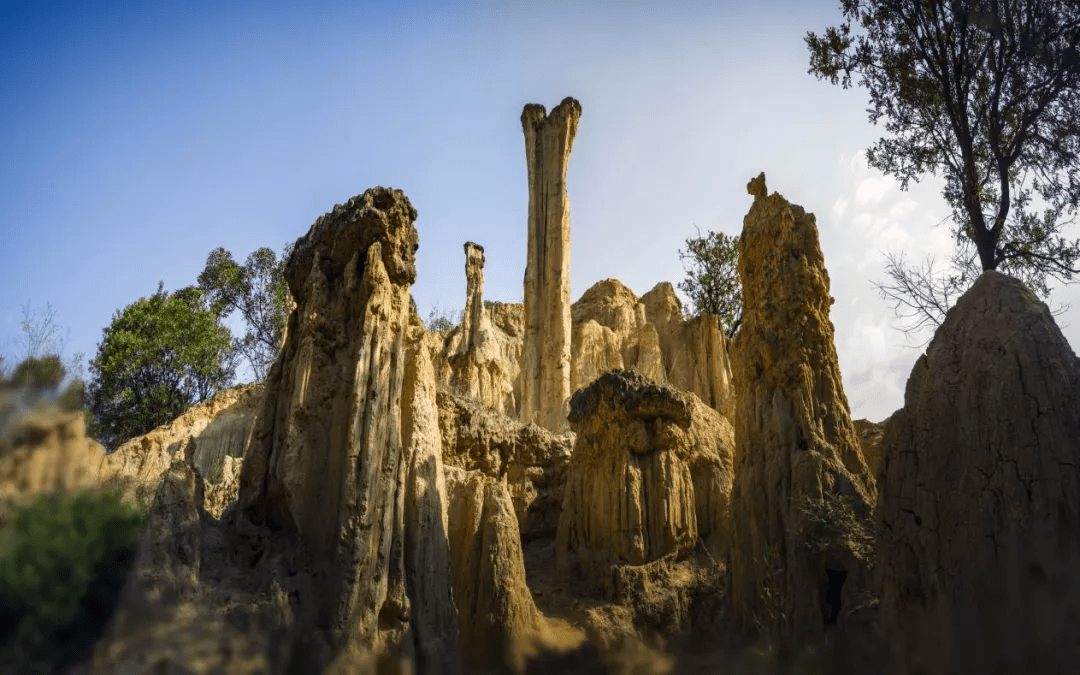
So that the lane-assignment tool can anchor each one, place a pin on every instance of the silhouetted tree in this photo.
(986, 92)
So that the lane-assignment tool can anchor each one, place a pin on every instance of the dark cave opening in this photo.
(830, 605)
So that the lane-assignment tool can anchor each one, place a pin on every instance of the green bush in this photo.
(45, 372)
(63, 561)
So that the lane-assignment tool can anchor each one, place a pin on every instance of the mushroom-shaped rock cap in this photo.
(633, 392)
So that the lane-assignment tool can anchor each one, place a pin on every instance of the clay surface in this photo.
(546, 370)
(798, 460)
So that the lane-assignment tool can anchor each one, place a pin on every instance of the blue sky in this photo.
(134, 140)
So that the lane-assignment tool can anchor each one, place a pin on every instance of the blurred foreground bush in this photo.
(63, 561)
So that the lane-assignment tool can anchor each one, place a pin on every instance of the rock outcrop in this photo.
(482, 355)
(500, 624)
(335, 465)
(614, 329)
(43, 449)
(530, 459)
(210, 431)
(798, 462)
(980, 494)
(546, 369)
(649, 477)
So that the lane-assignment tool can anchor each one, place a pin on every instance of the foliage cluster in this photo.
(986, 93)
(443, 320)
(63, 561)
(712, 277)
(159, 355)
(258, 291)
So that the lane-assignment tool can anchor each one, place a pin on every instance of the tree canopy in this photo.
(712, 277)
(258, 291)
(986, 93)
(159, 356)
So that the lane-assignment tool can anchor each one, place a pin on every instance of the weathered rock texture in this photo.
(650, 475)
(546, 369)
(500, 624)
(798, 461)
(210, 432)
(870, 435)
(614, 329)
(186, 606)
(335, 464)
(43, 449)
(980, 497)
(530, 459)
(482, 356)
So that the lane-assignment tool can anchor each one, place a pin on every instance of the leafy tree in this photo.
(986, 92)
(258, 291)
(159, 356)
(712, 277)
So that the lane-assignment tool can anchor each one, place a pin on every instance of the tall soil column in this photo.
(546, 376)
(474, 296)
(342, 461)
(802, 492)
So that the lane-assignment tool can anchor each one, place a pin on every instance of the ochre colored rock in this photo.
(979, 541)
(335, 464)
(168, 619)
(546, 368)
(210, 431)
(44, 449)
(482, 355)
(532, 460)
(223, 489)
(870, 435)
(798, 461)
(500, 624)
(613, 329)
(650, 474)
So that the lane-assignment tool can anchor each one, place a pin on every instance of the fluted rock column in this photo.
(342, 460)
(474, 297)
(546, 373)
(802, 492)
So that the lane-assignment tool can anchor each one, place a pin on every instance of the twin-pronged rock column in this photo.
(546, 372)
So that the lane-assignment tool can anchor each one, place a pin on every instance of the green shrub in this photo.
(45, 372)
(63, 561)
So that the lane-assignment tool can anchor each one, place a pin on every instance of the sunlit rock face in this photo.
(614, 329)
(545, 389)
(212, 436)
(345, 456)
(979, 537)
(797, 452)
(649, 476)
(481, 358)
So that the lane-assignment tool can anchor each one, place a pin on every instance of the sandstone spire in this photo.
(546, 371)
(797, 456)
(474, 297)
(335, 463)
(481, 359)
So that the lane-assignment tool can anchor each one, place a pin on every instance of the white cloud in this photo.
(873, 189)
